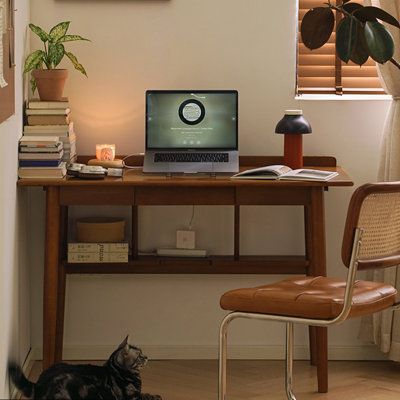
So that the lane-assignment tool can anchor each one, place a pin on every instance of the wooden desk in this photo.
(136, 189)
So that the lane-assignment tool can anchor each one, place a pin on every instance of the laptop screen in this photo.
(192, 120)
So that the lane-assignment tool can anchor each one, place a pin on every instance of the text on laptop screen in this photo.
(191, 120)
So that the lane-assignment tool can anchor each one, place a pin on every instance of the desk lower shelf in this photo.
(207, 265)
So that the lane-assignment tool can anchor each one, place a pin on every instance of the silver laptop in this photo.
(191, 131)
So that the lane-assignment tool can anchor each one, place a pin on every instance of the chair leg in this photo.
(223, 336)
(322, 359)
(289, 361)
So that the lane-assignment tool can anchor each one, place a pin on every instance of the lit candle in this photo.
(105, 152)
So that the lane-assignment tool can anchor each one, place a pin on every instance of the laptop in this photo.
(191, 131)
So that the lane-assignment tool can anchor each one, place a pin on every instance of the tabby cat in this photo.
(117, 379)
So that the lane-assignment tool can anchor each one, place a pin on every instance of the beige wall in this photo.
(14, 273)
(245, 45)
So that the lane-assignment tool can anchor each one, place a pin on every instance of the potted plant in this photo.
(46, 77)
(359, 34)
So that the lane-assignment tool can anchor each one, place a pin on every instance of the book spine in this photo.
(50, 150)
(48, 120)
(47, 111)
(41, 156)
(40, 105)
(99, 257)
(39, 163)
(48, 139)
(45, 133)
(49, 129)
(97, 247)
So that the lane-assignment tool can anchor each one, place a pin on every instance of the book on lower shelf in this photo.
(275, 172)
(97, 257)
(80, 247)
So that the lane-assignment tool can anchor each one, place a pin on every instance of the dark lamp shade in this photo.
(293, 124)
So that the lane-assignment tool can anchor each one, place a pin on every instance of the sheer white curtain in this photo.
(384, 328)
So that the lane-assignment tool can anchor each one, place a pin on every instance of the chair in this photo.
(371, 240)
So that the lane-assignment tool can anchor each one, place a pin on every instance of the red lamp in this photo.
(293, 125)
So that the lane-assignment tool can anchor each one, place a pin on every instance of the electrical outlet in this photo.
(185, 239)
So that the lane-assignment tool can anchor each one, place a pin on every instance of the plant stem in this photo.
(339, 9)
(46, 56)
(395, 63)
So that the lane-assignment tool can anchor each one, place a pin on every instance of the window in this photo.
(320, 71)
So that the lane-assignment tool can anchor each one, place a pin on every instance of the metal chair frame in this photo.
(290, 321)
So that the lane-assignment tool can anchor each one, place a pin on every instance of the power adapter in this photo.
(185, 239)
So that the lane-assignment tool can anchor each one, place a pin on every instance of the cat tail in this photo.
(19, 379)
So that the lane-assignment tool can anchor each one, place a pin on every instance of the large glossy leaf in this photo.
(71, 38)
(33, 60)
(379, 41)
(75, 62)
(317, 27)
(373, 13)
(351, 7)
(346, 38)
(360, 53)
(56, 53)
(44, 37)
(58, 31)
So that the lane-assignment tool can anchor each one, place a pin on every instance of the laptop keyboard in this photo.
(191, 157)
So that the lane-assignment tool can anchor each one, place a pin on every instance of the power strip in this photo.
(171, 252)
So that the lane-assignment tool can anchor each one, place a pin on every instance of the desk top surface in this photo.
(135, 177)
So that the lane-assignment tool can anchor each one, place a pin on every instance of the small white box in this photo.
(185, 239)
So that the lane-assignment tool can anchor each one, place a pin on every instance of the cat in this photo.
(117, 379)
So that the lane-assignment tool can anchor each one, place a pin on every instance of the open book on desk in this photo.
(283, 172)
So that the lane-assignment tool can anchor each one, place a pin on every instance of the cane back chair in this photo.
(371, 240)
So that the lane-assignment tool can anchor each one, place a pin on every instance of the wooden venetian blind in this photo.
(320, 71)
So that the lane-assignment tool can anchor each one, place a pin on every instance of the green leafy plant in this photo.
(359, 32)
(54, 50)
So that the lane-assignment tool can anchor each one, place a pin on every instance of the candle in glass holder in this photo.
(105, 152)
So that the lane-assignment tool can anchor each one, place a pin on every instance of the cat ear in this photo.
(124, 343)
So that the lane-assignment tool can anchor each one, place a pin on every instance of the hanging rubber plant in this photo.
(360, 33)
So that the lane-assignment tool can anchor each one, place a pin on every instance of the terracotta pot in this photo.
(50, 83)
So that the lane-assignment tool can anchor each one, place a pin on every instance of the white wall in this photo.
(14, 273)
(250, 46)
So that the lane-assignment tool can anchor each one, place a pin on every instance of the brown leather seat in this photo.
(371, 240)
(310, 297)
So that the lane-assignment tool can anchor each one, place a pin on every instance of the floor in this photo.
(263, 380)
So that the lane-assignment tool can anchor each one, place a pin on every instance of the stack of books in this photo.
(52, 118)
(41, 157)
(98, 252)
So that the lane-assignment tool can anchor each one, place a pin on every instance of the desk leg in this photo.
(135, 232)
(50, 284)
(63, 248)
(314, 217)
(236, 240)
(308, 245)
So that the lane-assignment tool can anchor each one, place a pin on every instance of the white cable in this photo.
(131, 166)
(191, 219)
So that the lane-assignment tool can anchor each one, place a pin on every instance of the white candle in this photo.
(105, 152)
